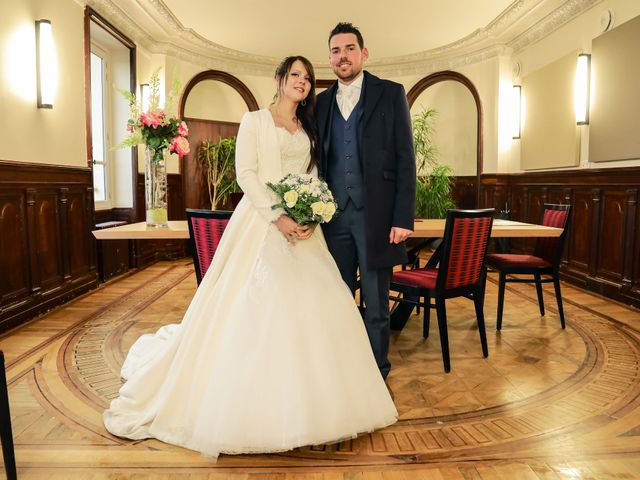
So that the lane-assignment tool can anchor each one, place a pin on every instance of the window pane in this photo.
(99, 185)
(100, 193)
(97, 109)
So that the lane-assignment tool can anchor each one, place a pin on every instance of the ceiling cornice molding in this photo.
(553, 21)
(119, 19)
(168, 36)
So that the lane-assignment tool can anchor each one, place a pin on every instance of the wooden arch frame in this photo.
(438, 77)
(223, 77)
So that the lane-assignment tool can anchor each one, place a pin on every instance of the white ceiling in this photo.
(403, 36)
(391, 28)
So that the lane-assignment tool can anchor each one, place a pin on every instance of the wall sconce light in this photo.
(144, 96)
(44, 63)
(582, 87)
(516, 105)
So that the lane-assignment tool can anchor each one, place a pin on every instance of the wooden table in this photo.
(427, 228)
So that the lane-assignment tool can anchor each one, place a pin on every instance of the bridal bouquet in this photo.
(305, 198)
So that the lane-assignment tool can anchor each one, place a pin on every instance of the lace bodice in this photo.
(294, 148)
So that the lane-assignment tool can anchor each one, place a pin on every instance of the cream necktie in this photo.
(349, 96)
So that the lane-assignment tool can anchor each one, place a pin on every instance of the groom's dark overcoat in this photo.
(387, 160)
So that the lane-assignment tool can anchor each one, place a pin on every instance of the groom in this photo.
(366, 156)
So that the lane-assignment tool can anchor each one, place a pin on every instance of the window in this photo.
(100, 146)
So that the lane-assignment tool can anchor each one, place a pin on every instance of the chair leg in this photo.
(478, 302)
(539, 292)
(501, 284)
(427, 317)
(444, 335)
(556, 285)
(5, 426)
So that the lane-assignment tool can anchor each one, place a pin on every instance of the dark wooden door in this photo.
(194, 184)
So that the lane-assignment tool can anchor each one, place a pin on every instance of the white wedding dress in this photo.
(272, 353)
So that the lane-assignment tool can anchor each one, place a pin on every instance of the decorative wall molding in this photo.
(157, 30)
(556, 19)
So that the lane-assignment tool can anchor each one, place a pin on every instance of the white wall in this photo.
(28, 133)
(577, 34)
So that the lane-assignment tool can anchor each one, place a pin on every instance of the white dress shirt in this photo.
(348, 95)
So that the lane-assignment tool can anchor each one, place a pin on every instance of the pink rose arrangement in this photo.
(155, 128)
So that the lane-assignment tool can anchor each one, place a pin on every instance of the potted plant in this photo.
(218, 162)
(434, 181)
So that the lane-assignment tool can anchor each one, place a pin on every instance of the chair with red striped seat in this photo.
(461, 272)
(205, 231)
(544, 261)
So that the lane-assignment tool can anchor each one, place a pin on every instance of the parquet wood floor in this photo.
(545, 404)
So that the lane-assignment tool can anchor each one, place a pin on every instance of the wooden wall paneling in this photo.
(595, 241)
(520, 213)
(629, 240)
(34, 273)
(194, 184)
(635, 280)
(612, 229)
(602, 252)
(48, 241)
(14, 239)
(579, 241)
(76, 228)
(64, 232)
(465, 192)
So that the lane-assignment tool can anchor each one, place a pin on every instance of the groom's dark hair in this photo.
(346, 27)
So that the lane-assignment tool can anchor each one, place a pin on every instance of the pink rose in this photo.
(180, 145)
(183, 129)
(151, 119)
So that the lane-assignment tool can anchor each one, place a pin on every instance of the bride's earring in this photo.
(304, 102)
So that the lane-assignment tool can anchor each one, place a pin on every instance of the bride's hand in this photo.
(288, 227)
(305, 231)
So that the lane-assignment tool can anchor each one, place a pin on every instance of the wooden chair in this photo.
(6, 435)
(205, 231)
(544, 261)
(461, 272)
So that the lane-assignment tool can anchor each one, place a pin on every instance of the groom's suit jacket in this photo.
(385, 144)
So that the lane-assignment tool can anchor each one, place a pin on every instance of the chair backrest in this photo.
(550, 248)
(466, 238)
(205, 231)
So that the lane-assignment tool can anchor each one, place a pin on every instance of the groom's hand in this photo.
(398, 235)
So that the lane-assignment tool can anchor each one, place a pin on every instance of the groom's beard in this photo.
(349, 74)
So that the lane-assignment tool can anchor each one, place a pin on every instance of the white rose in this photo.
(304, 188)
(290, 198)
(318, 208)
(329, 210)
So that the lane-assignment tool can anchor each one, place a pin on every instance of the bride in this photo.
(272, 353)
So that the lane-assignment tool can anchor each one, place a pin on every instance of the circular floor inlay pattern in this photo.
(539, 384)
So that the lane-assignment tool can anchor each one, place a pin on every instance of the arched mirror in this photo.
(212, 106)
(457, 128)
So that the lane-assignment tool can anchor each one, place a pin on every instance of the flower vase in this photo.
(155, 188)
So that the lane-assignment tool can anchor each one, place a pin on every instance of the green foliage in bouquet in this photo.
(304, 198)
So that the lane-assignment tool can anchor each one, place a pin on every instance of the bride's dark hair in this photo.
(306, 112)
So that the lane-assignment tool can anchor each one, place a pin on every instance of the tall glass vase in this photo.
(155, 188)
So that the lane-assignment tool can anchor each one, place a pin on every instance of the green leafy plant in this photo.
(434, 181)
(423, 130)
(218, 162)
(433, 193)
